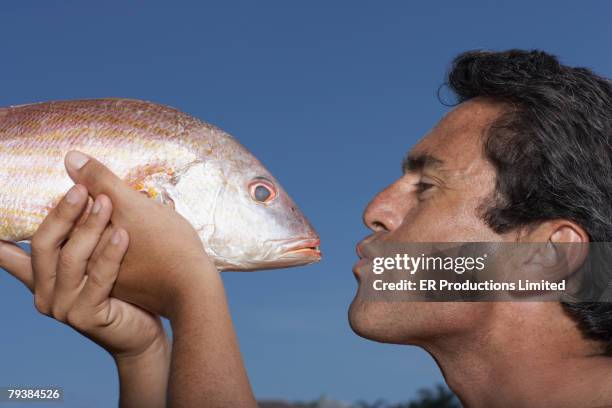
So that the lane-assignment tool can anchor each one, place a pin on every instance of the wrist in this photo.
(156, 354)
(143, 376)
(194, 289)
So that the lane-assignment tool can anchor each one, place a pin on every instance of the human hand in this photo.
(167, 271)
(166, 261)
(72, 272)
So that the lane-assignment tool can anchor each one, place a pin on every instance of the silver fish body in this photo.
(244, 217)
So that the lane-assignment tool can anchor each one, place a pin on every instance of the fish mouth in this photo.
(305, 248)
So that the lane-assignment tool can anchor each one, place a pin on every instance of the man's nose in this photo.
(388, 209)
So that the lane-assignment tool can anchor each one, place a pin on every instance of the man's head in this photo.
(525, 156)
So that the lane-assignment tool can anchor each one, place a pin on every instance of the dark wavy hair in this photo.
(552, 150)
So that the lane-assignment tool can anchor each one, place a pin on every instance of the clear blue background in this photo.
(329, 95)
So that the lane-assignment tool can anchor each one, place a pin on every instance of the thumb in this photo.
(17, 262)
(96, 177)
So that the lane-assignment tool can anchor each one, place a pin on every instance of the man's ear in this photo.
(558, 248)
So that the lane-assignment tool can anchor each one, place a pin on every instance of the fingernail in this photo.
(116, 238)
(97, 206)
(76, 160)
(73, 195)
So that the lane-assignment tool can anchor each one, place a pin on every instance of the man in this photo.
(525, 157)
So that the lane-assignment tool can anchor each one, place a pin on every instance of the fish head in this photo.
(245, 218)
(258, 226)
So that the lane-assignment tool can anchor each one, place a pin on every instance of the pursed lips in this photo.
(362, 252)
(367, 249)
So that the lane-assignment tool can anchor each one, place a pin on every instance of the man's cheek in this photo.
(450, 217)
(428, 224)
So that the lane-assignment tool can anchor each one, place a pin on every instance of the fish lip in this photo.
(308, 247)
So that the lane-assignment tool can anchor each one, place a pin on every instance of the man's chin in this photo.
(370, 320)
(357, 320)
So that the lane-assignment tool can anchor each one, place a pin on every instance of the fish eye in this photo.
(262, 193)
(262, 190)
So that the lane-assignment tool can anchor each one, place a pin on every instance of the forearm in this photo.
(207, 369)
(143, 379)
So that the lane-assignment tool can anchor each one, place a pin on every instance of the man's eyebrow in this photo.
(416, 162)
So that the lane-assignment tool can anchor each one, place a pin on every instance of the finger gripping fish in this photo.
(244, 217)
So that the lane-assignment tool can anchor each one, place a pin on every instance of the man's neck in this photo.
(531, 355)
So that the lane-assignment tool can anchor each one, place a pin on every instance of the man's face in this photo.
(446, 178)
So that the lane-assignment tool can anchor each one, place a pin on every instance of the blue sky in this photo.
(329, 95)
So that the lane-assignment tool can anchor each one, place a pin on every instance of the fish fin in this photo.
(152, 182)
(158, 194)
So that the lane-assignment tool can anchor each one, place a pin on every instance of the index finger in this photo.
(47, 242)
(59, 222)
